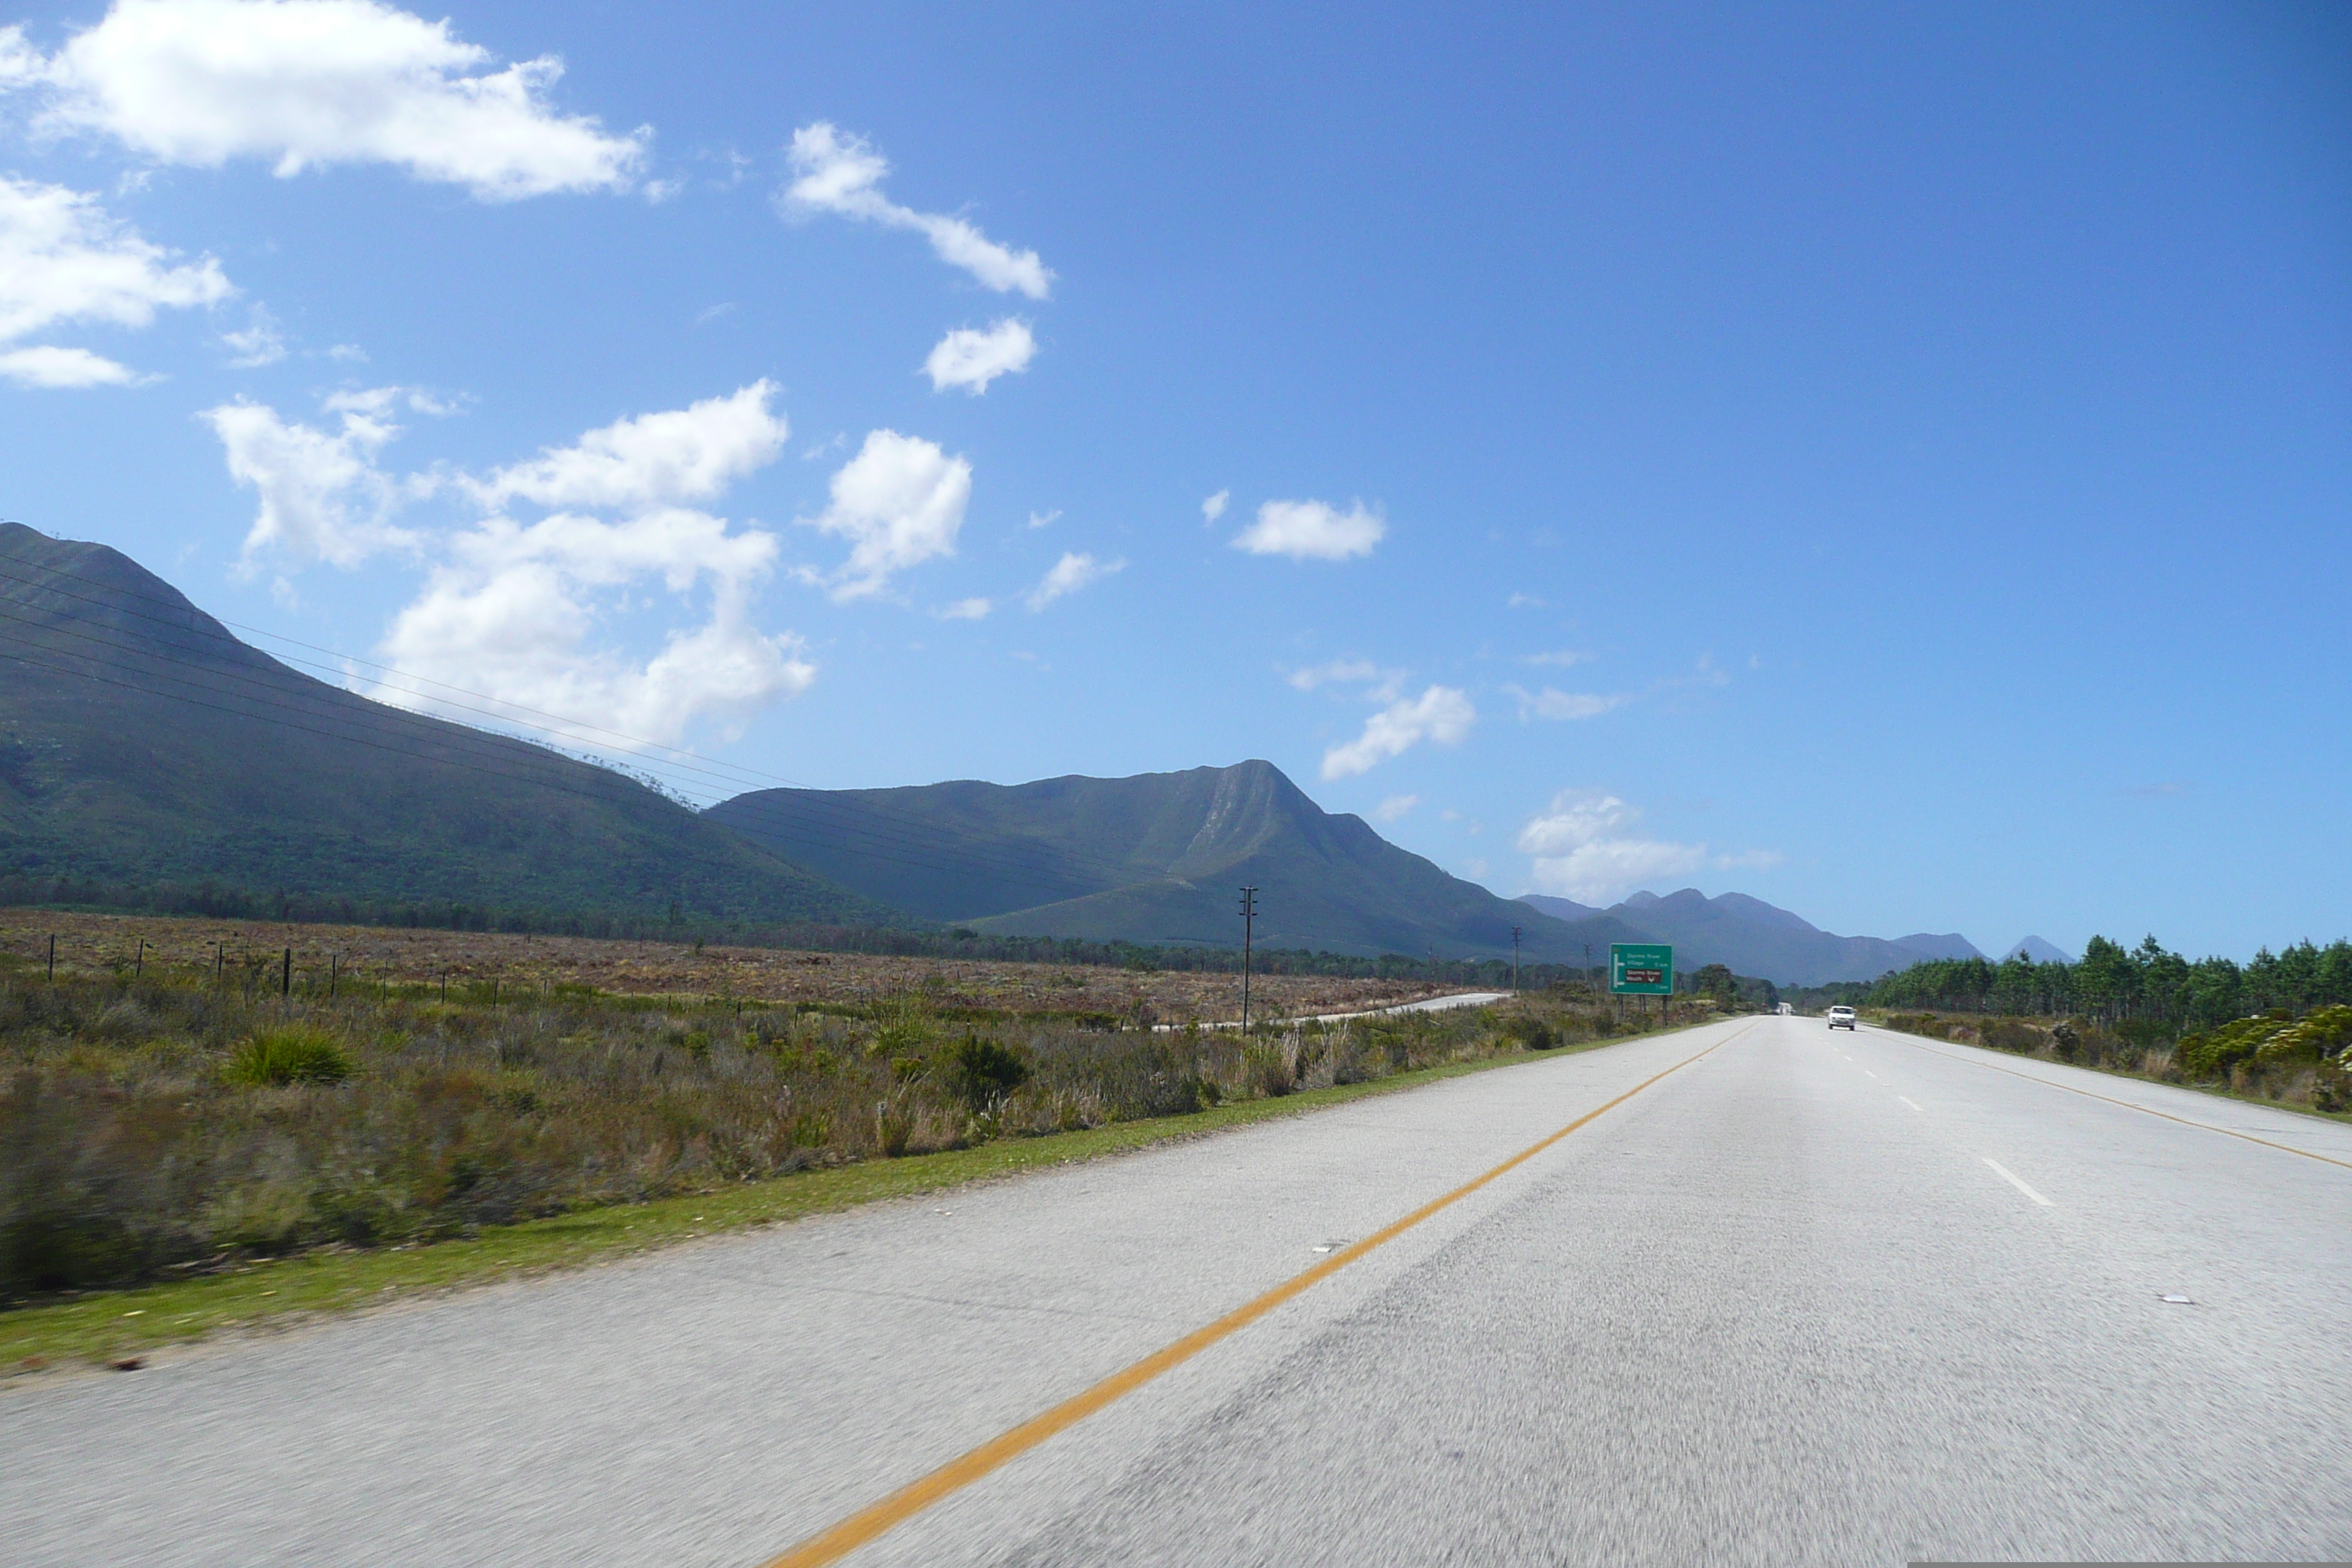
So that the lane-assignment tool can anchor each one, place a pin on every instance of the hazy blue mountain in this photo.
(1561, 908)
(1752, 937)
(142, 743)
(1157, 857)
(2040, 951)
(1951, 944)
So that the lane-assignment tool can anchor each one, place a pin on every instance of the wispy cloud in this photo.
(1395, 808)
(260, 344)
(967, 610)
(842, 174)
(1441, 715)
(52, 368)
(1072, 572)
(1343, 670)
(64, 260)
(1553, 703)
(1215, 507)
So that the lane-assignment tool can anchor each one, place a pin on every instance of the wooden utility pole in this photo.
(1249, 925)
(139, 964)
(53, 958)
(1515, 961)
(285, 976)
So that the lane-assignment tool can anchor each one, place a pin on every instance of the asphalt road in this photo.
(1806, 1298)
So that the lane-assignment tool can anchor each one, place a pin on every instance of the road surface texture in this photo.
(1806, 1298)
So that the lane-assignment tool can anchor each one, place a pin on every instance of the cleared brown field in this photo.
(99, 945)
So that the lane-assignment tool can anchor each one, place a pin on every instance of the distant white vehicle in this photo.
(1786, 1010)
(1842, 1018)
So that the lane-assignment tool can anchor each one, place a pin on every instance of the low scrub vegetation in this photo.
(2277, 1055)
(153, 1126)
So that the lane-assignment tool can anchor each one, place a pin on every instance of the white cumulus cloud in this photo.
(64, 258)
(899, 502)
(1585, 847)
(322, 496)
(1071, 573)
(1441, 715)
(512, 610)
(526, 614)
(1311, 530)
(842, 174)
(653, 459)
(309, 83)
(971, 359)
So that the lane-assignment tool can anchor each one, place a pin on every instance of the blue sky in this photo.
(1896, 464)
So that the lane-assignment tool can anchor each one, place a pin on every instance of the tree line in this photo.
(2115, 985)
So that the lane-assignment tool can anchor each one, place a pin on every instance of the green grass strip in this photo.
(2218, 1091)
(114, 1325)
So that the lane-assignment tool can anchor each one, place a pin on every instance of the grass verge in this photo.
(2216, 1091)
(110, 1326)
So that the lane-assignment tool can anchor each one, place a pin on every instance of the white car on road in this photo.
(1842, 1018)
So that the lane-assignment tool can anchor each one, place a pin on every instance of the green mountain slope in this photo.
(142, 743)
(1153, 858)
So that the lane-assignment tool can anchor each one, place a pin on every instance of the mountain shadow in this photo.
(140, 743)
(1158, 857)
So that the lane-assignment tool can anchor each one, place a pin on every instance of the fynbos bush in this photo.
(295, 1053)
(156, 1125)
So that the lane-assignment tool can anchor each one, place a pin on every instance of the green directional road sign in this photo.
(1639, 968)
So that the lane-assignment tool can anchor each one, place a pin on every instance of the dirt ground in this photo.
(95, 944)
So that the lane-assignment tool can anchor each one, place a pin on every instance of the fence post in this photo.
(286, 977)
(53, 958)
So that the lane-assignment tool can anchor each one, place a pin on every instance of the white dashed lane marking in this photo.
(2021, 1186)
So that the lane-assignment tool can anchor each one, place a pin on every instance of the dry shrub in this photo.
(172, 1125)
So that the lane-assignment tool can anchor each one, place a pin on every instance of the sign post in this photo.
(1642, 969)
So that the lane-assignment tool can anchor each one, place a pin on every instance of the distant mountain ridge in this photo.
(1752, 937)
(142, 743)
(1155, 857)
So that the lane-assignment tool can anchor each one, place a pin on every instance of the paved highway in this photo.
(1804, 1298)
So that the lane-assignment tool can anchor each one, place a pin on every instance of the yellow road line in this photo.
(877, 1519)
(2128, 1105)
